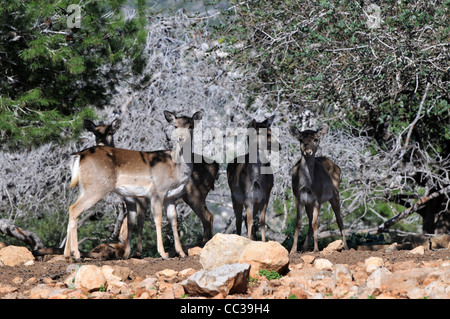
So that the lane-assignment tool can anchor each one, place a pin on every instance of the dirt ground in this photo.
(57, 271)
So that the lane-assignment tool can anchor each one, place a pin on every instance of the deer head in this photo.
(309, 139)
(103, 132)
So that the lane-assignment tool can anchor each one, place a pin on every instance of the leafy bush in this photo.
(52, 76)
(270, 274)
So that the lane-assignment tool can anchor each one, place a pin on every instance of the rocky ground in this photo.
(334, 274)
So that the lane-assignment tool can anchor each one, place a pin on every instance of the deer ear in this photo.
(252, 124)
(89, 125)
(197, 116)
(115, 125)
(269, 121)
(170, 117)
(295, 132)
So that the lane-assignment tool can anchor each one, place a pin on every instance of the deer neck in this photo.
(308, 168)
(182, 157)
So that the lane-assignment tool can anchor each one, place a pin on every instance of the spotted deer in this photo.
(315, 180)
(250, 178)
(160, 176)
(204, 175)
(132, 207)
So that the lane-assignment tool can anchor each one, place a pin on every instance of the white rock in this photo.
(224, 279)
(373, 263)
(323, 264)
(222, 249)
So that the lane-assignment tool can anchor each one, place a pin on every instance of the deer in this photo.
(250, 178)
(160, 176)
(104, 136)
(203, 177)
(315, 180)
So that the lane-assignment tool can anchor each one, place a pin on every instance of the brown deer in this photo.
(250, 178)
(204, 175)
(315, 180)
(160, 176)
(104, 136)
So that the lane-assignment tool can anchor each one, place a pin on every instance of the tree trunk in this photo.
(30, 238)
(414, 208)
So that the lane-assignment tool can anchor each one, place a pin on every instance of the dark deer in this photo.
(160, 176)
(315, 180)
(250, 178)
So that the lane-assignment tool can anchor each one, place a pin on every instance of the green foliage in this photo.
(324, 57)
(51, 74)
(270, 274)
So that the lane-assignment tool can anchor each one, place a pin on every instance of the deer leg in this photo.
(75, 210)
(298, 225)
(120, 232)
(131, 221)
(262, 222)
(123, 235)
(309, 213)
(141, 210)
(336, 206)
(172, 217)
(198, 205)
(237, 207)
(157, 209)
(249, 220)
(315, 224)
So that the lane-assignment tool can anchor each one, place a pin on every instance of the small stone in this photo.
(335, 246)
(420, 250)
(308, 259)
(323, 264)
(373, 263)
(194, 251)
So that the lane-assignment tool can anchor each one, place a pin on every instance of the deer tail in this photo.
(75, 171)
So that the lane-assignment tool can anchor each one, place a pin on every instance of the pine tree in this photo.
(57, 60)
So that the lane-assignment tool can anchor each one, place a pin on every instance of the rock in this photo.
(87, 277)
(377, 277)
(222, 249)
(15, 256)
(5, 288)
(225, 249)
(341, 274)
(392, 247)
(149, 283)
(262, 291)
(265, 255)
(308, 259)
(110, 277)
(178, 291)
(226, 279)
(167, 275)
(373, 263)
(194, 251)
(41, 291)
(299, 293)
(323, 264)
(336, 245)
(419, 250)
(186, 272)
